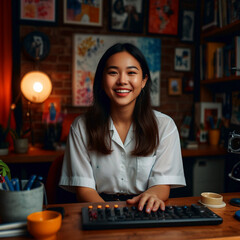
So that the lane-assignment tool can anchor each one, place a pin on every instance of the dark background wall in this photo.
(58, 64)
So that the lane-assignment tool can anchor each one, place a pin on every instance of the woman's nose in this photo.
(122, 79)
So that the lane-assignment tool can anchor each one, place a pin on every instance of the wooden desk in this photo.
(38, 155)
(204, 150)
(34, 155)
(229, 229)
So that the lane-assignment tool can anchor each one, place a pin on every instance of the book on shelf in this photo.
(235, 115)
(224, 13)
(211, 61)
(219, 13)
(218, 63)
(228, 59)
(231, 63)
(237, 53)
(219, 60)
(234, 10)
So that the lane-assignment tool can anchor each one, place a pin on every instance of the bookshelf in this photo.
(213, 76)
(223, 32)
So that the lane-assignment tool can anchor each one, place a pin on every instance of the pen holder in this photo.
(214, 137)
(17, 205)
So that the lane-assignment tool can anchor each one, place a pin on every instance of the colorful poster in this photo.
(163, 17)
(40, 10)
(88, 49)
(83, 12)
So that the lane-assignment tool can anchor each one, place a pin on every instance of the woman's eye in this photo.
(132, 73)
(112, 73)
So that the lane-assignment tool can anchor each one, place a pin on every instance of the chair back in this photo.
(56, 194)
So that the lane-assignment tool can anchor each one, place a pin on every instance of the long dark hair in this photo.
(97, 117)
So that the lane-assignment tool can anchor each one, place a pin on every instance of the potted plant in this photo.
(4, 172)
(19, 140)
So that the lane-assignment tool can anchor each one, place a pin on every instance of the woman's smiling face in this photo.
(123, 79)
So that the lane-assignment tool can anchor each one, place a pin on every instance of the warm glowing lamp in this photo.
(36, 86)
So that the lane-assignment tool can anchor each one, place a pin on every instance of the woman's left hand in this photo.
(153, 198)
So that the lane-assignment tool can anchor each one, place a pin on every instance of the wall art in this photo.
(126, 16)
(83, 12)
(174, 86)
(187, 26)
(182, 60)
(39, 12)
(163, 17)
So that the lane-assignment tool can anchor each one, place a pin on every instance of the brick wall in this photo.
(58, 65)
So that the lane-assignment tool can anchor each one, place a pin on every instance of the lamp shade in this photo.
(36, 86)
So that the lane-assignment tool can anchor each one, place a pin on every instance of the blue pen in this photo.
(4, 186)
(211, 122)
(10, 186)
(15, 183)
(37, 182)
(30, 182)
(20, 184)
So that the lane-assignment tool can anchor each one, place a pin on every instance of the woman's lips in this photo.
(122, 92)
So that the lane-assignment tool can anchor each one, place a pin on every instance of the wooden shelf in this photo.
(219, 80)
(224, 34)
(217, 33)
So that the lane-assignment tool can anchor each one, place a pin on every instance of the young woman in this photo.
(121, 148)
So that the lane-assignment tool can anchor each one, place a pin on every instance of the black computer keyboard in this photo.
(106, 217)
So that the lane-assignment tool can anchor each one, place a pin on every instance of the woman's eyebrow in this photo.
(132, 67)
(115, 67)
(129, 67)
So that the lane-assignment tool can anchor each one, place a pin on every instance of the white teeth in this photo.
(122, 91)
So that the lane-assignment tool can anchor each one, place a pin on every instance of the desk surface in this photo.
(38, 155)
(229, 229)
(204, 150)
(34, 155)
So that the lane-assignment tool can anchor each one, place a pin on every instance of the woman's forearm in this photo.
(85, 194)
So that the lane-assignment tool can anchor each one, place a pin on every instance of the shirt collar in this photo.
(115, 136)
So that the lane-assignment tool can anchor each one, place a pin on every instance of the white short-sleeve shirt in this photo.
(120, 172)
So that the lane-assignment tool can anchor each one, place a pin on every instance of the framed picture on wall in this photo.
(40, 12)
(188, 84)
(126, 16)
(182, 59)
(210, 14)
(88, 13)
(187, 26)
(174, 86)
(204, 111)
(163, 17)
